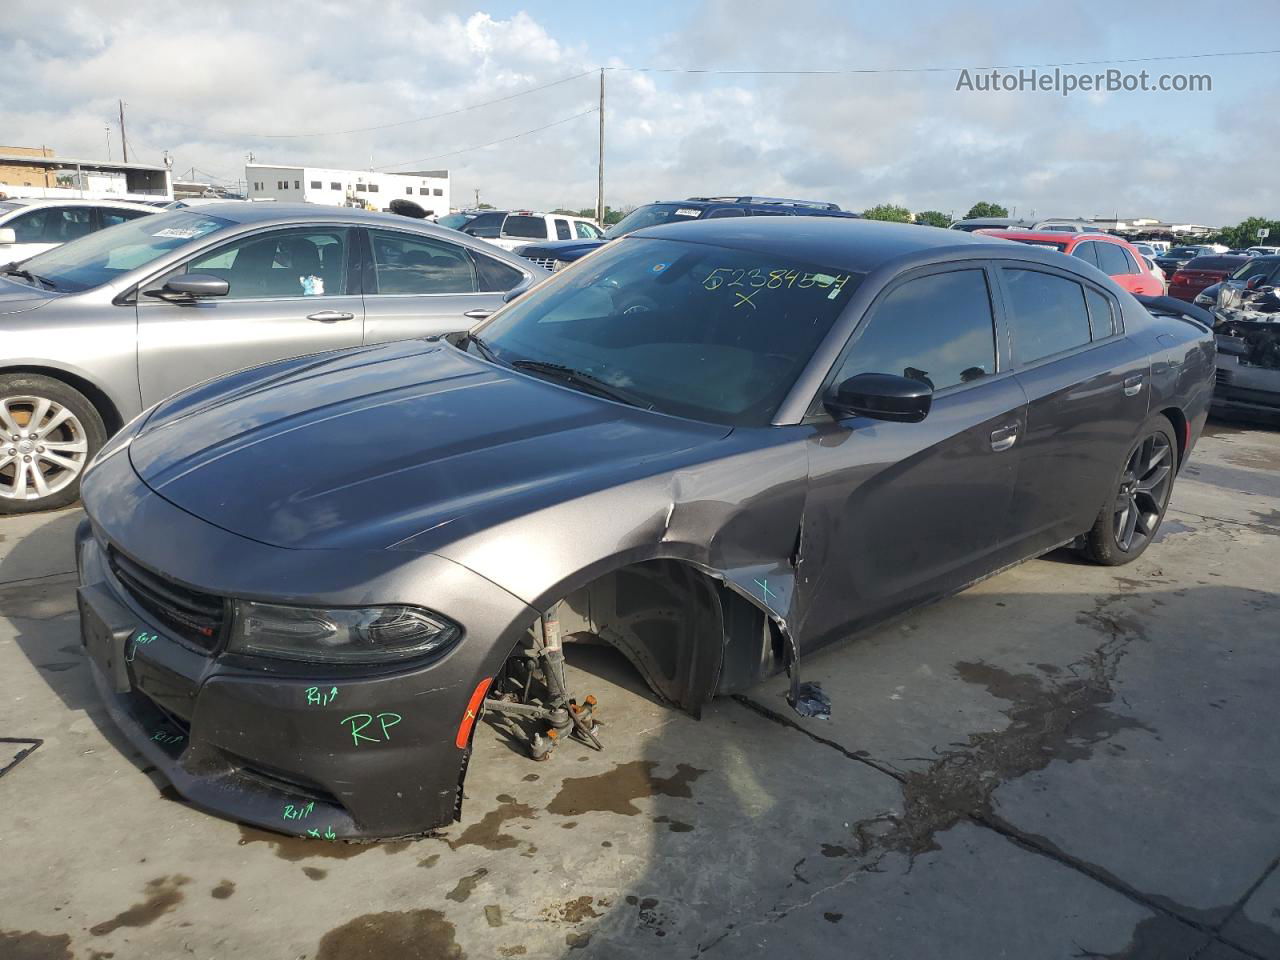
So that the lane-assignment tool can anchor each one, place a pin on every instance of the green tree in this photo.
(1245, 233)
(984, 208)
(933, 218)
(888, 211)
(611, 216)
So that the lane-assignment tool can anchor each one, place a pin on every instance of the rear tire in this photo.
(1130, 519)
(49, 431)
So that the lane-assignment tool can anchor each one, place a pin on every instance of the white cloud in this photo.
(202, 82)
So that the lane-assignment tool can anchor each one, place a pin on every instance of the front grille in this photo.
(547, 263)
(198, 618)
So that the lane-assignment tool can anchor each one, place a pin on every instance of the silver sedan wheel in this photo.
(43, 447)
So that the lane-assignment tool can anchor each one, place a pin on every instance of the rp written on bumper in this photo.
(305, 749)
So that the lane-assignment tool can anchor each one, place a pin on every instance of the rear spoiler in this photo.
(1173, 307)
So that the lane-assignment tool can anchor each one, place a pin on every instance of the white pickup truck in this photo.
(514, 228)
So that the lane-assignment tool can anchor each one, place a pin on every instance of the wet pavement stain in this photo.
(1048, 720)
(315, 873)
(517, 951)
(833, 917)
(223, 890)
(462, 892)
(407, 935)
(487, 832)
(1171, 527)
(429, 861)
(30, 945)
(675, 826)
(576, 941)
(574, 911)
(1268, 522)
(493, 914)
(615, 790)
(163, 894)
(294, 849)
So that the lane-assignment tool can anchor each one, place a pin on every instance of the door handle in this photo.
(330, 316)
(478, 314)
(1133, 385)
(1004, 438)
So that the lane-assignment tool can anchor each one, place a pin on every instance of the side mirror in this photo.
(881, 396)
(7, 235)
(192, 286)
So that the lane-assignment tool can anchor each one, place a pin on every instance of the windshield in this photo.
(99, 258)
(455, 220)
(694, 330)
(650, 215)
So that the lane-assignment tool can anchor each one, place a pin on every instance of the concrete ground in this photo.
(1066, 761)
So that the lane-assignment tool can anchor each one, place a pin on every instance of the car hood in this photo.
(368, 448)
(16, 297)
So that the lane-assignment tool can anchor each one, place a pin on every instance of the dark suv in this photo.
(558, 254)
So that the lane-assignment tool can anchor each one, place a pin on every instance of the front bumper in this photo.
(273, 743)
(1242, 388)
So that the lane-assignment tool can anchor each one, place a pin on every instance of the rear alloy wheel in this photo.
(1127, 525)
(48, 433)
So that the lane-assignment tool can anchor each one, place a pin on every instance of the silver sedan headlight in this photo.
(353, 635)
(1203, 301)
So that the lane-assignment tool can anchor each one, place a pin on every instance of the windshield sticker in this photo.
(178, 233)
(312, 286)
(687, 212)
(780, 278)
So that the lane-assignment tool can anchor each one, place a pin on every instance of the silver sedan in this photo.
(103, 327)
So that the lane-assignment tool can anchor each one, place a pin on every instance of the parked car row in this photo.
(107, 325)
(28, 227)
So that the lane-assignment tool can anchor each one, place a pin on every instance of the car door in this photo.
(418, 285)
(901, 512)
(292, 291)
(1086, 385)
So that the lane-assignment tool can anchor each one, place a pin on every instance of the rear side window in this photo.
(1111, 260)
(494, 276)
(528, 228)
(726, 212)
(1102, 319)
(562, 230)
(937, 329)
(407, 263)
(1085, 251)
(51, 225)
(110, 216)
(586, 231)
(1134, 266)
(1047, 313)
(487, 225)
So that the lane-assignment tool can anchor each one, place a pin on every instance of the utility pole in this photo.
(477, 198)
(600, 180)
(107, 128)
(124, 142)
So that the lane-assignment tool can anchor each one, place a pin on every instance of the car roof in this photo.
(80, 202)
(1052, 236)
(851, 244)
(240, 211)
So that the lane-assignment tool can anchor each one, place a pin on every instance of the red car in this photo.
(1203, 272)
(1113, 256)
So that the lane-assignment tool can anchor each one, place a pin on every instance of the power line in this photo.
(434, 116)
(1006, 66)
(481, 146)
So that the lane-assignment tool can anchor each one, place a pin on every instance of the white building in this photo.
(348, 188)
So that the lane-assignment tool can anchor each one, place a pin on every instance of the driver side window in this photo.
(938, 329)
(277, 264)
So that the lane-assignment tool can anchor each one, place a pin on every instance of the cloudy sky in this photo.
(211, 82)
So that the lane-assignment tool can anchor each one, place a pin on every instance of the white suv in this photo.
(31, 226)
(515, 228)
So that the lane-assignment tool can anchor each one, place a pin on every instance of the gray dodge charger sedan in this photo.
(104, 326)
(718, 446)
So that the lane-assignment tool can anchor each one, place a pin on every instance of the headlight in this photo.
(560, 265)
(362, 635)
(1203, 301)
